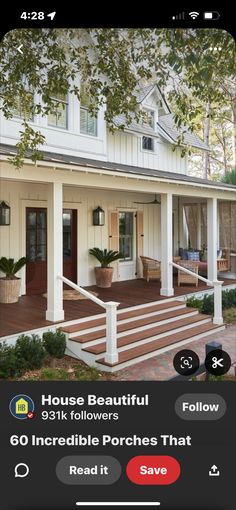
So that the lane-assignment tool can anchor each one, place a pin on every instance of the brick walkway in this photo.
(160, 368)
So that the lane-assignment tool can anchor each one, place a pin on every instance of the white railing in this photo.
(111, 355)
(218, 317)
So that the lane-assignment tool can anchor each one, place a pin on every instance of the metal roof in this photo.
(8, 150)
(168, 126)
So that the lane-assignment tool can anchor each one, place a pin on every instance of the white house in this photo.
(85, 166)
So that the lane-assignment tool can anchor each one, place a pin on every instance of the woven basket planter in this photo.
(9, 290)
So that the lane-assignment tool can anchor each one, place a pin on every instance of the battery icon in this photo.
(211, 15)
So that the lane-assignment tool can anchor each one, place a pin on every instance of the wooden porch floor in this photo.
(29, 312)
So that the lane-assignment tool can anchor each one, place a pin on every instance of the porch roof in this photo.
(94, 164)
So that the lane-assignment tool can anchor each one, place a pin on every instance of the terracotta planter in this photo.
(104, 276)
(9, 290)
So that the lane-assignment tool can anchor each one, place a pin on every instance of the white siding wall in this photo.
(22, 195)
(126, 149)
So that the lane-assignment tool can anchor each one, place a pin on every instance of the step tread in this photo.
(80, 326)
(95, 335)
(148, 333)
(136, 352)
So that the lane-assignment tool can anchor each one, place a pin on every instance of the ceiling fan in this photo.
(155, 201)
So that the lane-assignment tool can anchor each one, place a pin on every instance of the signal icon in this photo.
(179, 16)
(194, 14)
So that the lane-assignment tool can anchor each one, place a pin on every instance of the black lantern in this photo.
(5, 213)
(98, 217)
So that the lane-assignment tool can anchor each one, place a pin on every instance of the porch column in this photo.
(199, 221)
(55, 310)
(166, 245)
(212, 238)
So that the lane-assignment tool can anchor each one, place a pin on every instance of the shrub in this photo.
(30, 352)
(206, 305)
(8, 361)
(55, 343)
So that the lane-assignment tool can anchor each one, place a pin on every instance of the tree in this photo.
(230, 177)
(111, 63)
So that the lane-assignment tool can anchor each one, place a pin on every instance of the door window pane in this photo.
(36, 236)
(67, 234)
(126, 235)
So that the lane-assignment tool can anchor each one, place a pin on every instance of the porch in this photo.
(29, 313)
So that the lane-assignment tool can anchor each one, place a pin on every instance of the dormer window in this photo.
(149, 118)
(147, 143)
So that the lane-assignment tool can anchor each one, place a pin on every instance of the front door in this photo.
(36, 248)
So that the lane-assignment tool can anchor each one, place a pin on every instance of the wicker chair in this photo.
(151, 268)
(185, 277)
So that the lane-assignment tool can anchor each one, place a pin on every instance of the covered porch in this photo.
(29, 313)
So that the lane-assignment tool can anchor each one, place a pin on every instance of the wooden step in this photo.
(127, 314)
(95, 335)
(154, 345)
(148, 333)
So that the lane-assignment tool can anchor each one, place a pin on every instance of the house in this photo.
(133, 175)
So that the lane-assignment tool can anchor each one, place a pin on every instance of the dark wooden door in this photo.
(70, 244)
(36, 248)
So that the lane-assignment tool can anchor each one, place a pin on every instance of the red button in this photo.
(153, 470)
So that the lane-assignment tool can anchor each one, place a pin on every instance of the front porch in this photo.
(29, 313)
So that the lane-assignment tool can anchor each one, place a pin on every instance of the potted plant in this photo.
(104, 273)
(10, 283)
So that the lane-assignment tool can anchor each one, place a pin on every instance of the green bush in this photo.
(8, 361)
(206, 305)
(30, 352)
(55, 343)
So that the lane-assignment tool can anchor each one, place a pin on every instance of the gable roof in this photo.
(166, 126)
(168, 129)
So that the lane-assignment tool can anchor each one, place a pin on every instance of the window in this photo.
(147, 143)
(126, 235)
(88, 123)
(59, 118)
(149, 117)
(23, 108)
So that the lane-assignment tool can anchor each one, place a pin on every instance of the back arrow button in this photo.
(19, 49)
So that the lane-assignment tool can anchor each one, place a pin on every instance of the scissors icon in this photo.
(217, 362)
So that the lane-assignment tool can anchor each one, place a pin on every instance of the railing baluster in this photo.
(217, 285)
(111, 355)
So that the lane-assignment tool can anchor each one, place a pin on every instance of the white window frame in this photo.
(153, 144)
(66, 102)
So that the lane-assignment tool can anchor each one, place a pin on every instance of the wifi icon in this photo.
(194, 14)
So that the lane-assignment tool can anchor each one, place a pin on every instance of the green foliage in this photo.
(111, 63)
(9, 267)
(206, 305)
(55, 343)
(87, 374)
(8, 361)
(230, 177)
(54, 374)
(30, 352)
(105, 257)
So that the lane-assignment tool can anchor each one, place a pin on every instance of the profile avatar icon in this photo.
(22, 407)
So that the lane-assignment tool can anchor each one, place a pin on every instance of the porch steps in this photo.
(142, 332)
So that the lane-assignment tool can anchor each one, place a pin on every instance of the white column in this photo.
(199, 221)
(212, 238)
(111, 355)
(55, 310)
(166, 245)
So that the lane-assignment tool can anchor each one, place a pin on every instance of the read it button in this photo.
(153, 470)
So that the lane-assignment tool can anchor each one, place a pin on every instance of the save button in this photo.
(153, 470)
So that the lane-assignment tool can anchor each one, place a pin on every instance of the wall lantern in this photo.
(98, 217)
(5, 213)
